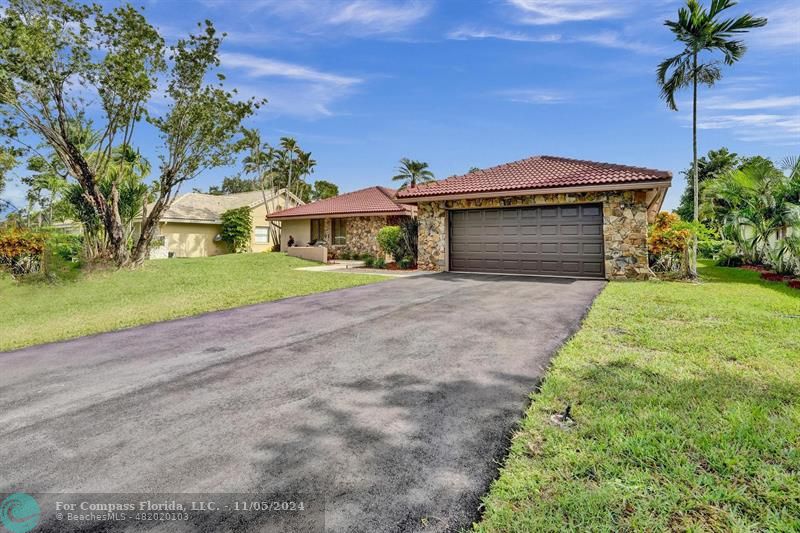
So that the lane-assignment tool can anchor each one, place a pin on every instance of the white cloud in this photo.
(353, 17)
(608, 39)
(542, 12)
(767, 102)
(765, 127)
(260, 67)
(534, 96)
(782, 29)
(293, 89)
(467, 33)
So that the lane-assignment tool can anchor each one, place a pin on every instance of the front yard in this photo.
(686, 401)
(161, 290)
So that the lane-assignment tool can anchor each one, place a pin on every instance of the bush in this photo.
(67, 247)
(345, 255)
(21, 252)
(406, 262)
(379, 262)
(668, 243)
(368, 259)
(781, 259)
(390, 239)
(237, 227)
(728, 255)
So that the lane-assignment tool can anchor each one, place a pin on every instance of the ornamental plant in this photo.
(237, 226)
(390, 239)
(21, 252)
(668, 243)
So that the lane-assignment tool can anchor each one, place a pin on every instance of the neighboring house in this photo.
(542, 215)
(192, 224)
(350, 221)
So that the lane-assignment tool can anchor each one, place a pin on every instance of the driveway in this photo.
(388, 403)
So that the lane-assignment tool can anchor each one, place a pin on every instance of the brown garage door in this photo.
(559, 240)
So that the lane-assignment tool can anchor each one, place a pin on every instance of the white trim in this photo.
(643, 185)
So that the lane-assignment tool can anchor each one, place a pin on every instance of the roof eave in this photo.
(625, 186)
(400, 212)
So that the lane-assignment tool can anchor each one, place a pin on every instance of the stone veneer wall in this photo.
(624, 227)
(362, 235)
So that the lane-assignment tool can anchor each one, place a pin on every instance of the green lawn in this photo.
(686, 399)
(161, 290)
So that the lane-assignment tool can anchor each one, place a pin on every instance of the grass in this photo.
(161, 290)
(686, 400)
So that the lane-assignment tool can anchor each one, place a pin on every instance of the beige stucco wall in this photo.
(259, 214)
(192, 240)
(624, 227)
(299, 229)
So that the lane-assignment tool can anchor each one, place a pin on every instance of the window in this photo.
(339, 231)
(262, 235)
(317, 229)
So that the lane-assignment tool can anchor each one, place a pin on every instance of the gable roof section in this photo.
(195, 207)
(538, 172)
(371, 201)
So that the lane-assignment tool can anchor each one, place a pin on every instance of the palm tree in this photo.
(700, 30)
(290, 150)
(413, 172)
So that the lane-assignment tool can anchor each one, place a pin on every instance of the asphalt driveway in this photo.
(390, 403)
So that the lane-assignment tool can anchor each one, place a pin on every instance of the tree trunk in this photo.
(147, 231)
(695, 179)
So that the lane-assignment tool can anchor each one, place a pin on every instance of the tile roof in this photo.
(369, 201)
(208, 208)
(538, 172)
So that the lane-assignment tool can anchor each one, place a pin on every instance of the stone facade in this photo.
(624, 227)
(362, 234)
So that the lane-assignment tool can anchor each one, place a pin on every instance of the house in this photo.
(191, 226)
(543, 215)
(350, 221)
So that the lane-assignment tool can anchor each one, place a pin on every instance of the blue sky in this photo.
(362, 83)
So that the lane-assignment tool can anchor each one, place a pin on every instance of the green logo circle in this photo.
(19, 512)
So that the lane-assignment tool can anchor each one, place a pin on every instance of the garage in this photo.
(544, 215)
(558, 240)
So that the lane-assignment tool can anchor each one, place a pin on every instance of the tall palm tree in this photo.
(413, 172)
(290, 150)
(701, 30)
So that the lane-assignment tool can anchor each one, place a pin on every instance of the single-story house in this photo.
(350, 221)
(191, 226)
(543, 215)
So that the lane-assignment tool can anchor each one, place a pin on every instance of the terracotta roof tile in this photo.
(539, 172)
(369, 201)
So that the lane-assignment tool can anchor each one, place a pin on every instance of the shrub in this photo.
(67, 247)
(368, 259)
(781, 259)
(379, 262)
(237, 227)
(345, 255)
(390, 239)
(728, 255)
(21, 252)
(406, 262)
(668, 243)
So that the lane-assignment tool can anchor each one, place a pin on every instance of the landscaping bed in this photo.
(686, 415)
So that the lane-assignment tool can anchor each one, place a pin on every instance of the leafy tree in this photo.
(233, 185)
(53, 51)
(473, 169)
(701, 31)
(237, 227)
(412, 172)
(710, 166)
(754, 205)
(324, 189)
